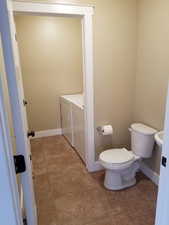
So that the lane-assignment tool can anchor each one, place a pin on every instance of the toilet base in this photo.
(116, 181)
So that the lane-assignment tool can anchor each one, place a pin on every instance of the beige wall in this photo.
(114, 63)
(51, 60)
(152, 67)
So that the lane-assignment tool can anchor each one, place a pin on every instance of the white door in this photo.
(10, 212)
(78, 126)
(13, 73)
(66, 119)
(18, 72)
(162, 213)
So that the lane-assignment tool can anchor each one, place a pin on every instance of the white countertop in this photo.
(77, 99)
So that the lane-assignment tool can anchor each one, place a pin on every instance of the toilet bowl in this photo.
(121, 164)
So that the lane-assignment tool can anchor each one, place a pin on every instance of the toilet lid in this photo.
(117, 156)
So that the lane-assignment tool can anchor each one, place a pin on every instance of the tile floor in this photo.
(67, 194)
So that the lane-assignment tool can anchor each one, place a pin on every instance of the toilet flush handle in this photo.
(130, 129)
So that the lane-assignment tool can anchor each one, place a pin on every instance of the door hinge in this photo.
(31, 133)
(25, 221)
(164, 161)
(20, 165)
(25, 102)
(16, 37)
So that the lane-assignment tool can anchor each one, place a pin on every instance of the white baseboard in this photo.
(47, 133)
(153, 176)
(95, 167)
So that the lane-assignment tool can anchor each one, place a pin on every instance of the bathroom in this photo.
(130, 85)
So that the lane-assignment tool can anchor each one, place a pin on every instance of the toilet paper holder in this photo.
(100, 130)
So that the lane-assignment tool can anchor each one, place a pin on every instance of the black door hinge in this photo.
(19, 162)
(25, 221)
(31, 133)
(25, 102)
(164, 161)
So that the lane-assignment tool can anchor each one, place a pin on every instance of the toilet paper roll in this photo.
(107, 130)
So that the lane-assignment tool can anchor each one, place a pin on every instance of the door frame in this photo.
(162, 215)
(85, 13)
(9, 204)
(10, 207)
(12, 69)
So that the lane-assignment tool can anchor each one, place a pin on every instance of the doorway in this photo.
(86, 25)
(49, 155)
(52, 72)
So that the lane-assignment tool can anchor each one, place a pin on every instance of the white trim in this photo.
(10, 212)
(62, 9)
(86, 13)
(12, 71)
(153, 176)
(162, 215)
(61, 3)
(21, 200)
(47, 133)
(87, 40)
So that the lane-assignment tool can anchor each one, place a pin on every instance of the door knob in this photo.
(31, 133)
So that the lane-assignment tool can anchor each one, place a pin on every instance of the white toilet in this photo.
(121, 165)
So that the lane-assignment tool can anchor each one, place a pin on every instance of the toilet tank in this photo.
(142, 140)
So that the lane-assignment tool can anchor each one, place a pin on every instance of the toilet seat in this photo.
(117, 157)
